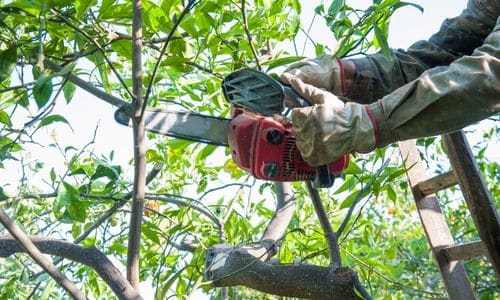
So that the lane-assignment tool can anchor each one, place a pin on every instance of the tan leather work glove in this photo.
(330, 128)
(324, 72)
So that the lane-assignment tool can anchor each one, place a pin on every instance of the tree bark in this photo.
(134, 237)
(91, 257)
(228, 266)
(25, 243)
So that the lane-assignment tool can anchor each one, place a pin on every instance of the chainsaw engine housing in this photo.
(266, 148)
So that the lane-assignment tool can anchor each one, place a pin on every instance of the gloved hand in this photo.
(330, 128)
(324, 72)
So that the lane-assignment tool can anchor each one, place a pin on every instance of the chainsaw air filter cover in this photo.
(266, 148)
(254, 91)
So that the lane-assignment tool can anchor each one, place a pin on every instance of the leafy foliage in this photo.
(200, 197)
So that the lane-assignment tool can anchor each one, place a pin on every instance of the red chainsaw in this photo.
(262, 143)
(258, 134)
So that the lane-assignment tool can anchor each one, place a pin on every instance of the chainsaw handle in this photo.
(292, 98)
(323, 179)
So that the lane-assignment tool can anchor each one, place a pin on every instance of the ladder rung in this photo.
(437, 183)
(464, 251)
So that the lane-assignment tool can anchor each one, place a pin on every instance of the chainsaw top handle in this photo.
(259, 92)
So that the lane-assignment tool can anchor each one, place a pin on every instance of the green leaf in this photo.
(349, 200)
(42, 90)
(205, 152)
(111, 172)
(106, 5)
(352, 168)
(52, 175)
(347, 185)
(2, 194)
(151, 234)
(123, 48)
(8, 59)
(335, 7)
(382, 41)
(53, 119)
(391, 193)
(81, 7)
(67, 194)
(402, 4)
(274, 63)
(69, 90)
(69, 198)
(5, 118)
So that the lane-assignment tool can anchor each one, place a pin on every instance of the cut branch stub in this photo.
(229, 266)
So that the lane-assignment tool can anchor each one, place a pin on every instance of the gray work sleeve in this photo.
(377, 76)
(443, 99)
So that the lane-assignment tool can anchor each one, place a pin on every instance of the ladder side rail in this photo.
(436, 229)
(477, 197)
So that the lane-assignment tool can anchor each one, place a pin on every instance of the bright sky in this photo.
(85, 111)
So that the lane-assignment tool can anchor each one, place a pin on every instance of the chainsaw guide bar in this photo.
(183, 125)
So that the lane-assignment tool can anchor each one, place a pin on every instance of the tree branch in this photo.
(139, 192)
(285, 207)
(245, 267)
(203, 209)
(359, 196)
(25, 243)
(330, 235)
(91, 257)
(87, 86)
(248, 34)
(190, 5)
(98, 46)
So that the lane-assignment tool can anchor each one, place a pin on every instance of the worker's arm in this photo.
(368, 79)
(376, 76)
(442, 99)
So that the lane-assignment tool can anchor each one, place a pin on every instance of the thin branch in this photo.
(90, 256)
(16, 87)
(204, 69)
(390, 280)
(330, 235)
(248, 34)
(360, 196)
(191, 4)
(98, 46)
(139, 190)
(38, 257)
(223, 187)
(203, 209)
(85, 85)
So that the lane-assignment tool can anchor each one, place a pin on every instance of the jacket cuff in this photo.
(361, 90)
(384, 133)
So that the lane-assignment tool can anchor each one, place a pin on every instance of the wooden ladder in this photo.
(465, 173)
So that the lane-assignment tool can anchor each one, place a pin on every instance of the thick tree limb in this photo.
(25, 243)
(276, 228)
(139, 190)
(91, 257)
(227, 266)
